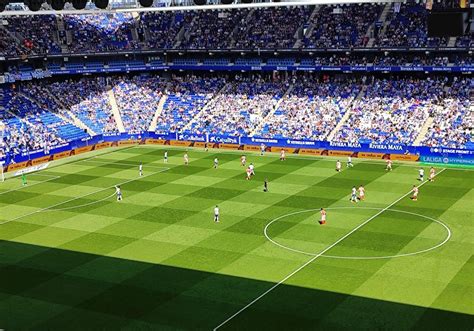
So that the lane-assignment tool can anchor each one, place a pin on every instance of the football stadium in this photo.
(236, 165)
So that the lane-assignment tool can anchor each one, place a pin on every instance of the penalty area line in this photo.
(316, 257)
(30, 185)
(145, 166)
(50, 208)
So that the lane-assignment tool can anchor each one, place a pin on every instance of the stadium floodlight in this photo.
(57, 4)
(34, 5)
(79, 4)
(101, 4)
(146, 3)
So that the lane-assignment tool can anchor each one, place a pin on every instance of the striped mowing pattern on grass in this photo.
(157, 260)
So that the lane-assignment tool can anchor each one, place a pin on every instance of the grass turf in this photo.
(71, 256)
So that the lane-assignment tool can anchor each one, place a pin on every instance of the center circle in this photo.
(444, 241)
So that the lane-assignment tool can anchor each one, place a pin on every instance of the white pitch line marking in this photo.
(445, 240)
(125, 164)
(82, 196)
(26, 186)
(79, 206)
(317, 256)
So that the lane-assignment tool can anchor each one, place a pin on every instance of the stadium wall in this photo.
(39, 73)
(291, 146)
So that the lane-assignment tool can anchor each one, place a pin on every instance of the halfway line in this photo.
(316, 256)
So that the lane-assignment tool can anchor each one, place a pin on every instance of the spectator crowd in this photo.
(310, 27)
(432, 110)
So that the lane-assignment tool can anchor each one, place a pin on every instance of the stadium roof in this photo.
(133, 6)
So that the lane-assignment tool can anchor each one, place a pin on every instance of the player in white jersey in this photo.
(282, 155)
(414, 197)
(118, 192)
(338, 166)
(249, 173)
(323, 216)
(349, 162)
(361, 193)
(389, 165)
(432, 174)
(243, 160)
(252, 169)
(353, 194)
(165, 159)
(186, 158)
(421, 174)
(216, 214)
(216, 163)
(140, 169)
(262, 149)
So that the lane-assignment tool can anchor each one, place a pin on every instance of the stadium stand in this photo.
(239, 107)
(320, 27)
(186, 98)
(87, 99)
(408, 28)
(39, 36)
(99, 32)
(311, 110)
(137, 99)
(378, 110)
(342, 27)
(271, 28)
(452, 118)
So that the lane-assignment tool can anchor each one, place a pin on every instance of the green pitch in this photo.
(72, 257)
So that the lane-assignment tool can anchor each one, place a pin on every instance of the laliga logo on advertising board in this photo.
(434, 150)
